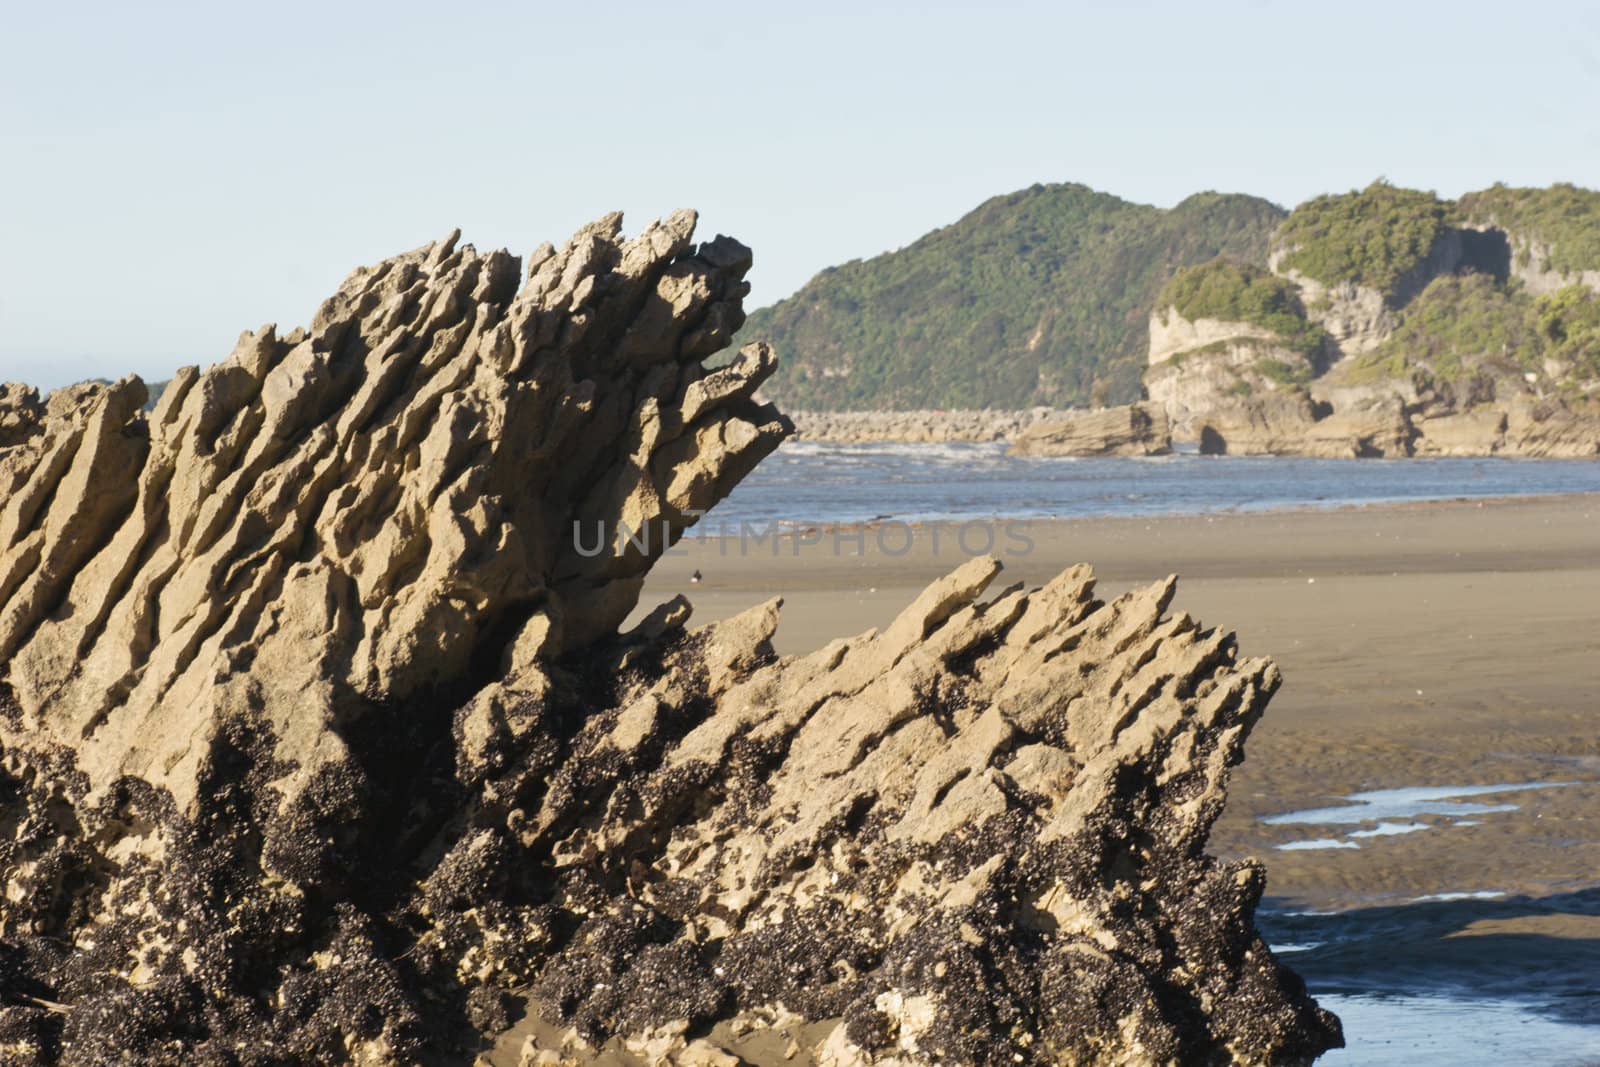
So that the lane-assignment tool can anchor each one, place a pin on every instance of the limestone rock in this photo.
(1129, 430)
(971, 838)
(1192, 385)
(1292, 424)
(1376, 430)
(20, 414)
(1529, 261)
(1171, 334)
(355, 509)
(1470, 433)
(1359, 318)
(1277, 424)
(1228, 387)
(320, 739)
(1550, 429)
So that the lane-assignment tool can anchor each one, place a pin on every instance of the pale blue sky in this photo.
(174, 173)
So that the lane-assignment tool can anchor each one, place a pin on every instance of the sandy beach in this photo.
(1439, 644)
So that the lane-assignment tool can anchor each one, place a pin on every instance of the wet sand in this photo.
(1453, 643)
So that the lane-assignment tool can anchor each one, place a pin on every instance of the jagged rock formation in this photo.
(386, 489)
(1128, 430)
(319, 736)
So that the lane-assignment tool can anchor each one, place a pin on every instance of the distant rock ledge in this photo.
(1134, 429)
(916, 427)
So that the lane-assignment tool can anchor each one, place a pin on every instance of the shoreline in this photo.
(693, 533)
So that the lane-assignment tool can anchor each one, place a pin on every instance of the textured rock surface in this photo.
(1467, 434)
(1129, 430)
(320, 739)
(1359, 318)
(975, 837)
(356, 509)
(1546, 428)
(1274, 425)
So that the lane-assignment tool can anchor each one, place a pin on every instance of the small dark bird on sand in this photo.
(695, 577)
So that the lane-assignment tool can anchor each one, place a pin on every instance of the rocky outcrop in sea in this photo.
(1127, 430)
(323, 740)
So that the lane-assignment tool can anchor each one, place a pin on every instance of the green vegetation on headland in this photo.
(1563, 218)
(1374, 237)
(1242, 292)
(1568, 323)
(1466, 325)
(1043, 296)
(1038, 297)
(1456, 323)
(1282, 372)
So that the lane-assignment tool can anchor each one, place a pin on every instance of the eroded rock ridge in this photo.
(322, 742)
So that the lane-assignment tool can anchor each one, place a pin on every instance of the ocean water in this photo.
(1459, 1031)
(1413, 984)
(815, 482)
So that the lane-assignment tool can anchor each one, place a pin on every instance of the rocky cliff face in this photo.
(1200, 366)
(1172, 334)
(320, 736)
(1357, 318)
(1530, 264)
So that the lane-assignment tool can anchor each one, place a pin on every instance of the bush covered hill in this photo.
(1468, 325)
(1499, 285)
(1043, 296)
(1374, 237)
(1231, 291)
(1039, 297)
